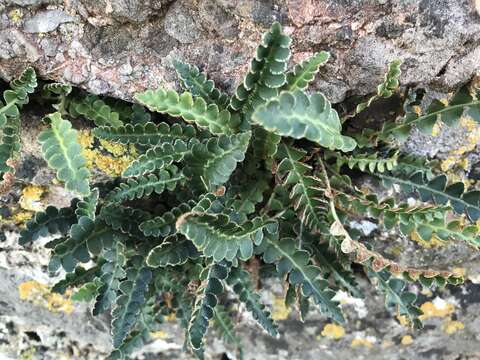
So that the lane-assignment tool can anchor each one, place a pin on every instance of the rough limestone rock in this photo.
(118, 47)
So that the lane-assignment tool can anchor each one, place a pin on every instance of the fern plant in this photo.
(263, 177)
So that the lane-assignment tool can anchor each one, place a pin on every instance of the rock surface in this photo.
(119, 47)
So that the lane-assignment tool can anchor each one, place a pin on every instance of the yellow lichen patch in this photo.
(85, 139)
(459, 271)
(27, 354)
(16, 16)
(21, 217)
(435, 241)
(357, 342)
(171, 317)
(403, 320)
(159, 334)
(112, 166)
(279, 310)
(41, 295)
(30, 199)
(407, 340)
(452, 326)
(333, 331)
(437, 308)
(113, 148)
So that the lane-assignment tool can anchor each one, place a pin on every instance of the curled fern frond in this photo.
(370, 162)
(88, 206)
(173, 251)
(297, 115)
(63, 154)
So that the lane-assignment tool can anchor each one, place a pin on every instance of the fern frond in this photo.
(297, 115)
(266, 74)
(145, 134)
(387, 88)
(86, 238)
(173, 251)
(396, 296)
(205, 303)
(240, 282)
(159, 157)
(205, 116)
(146, 185)
(216, 236)
(76, 278)
(164, 225)
(296, 263)
(461, 103)
(10, 144)
(214, 160)
(369, 162)
(437, 191)
(304, 73)
(129, 304)
(198, 84)
(63, 154)
(49, 222)
(109, 282)
(124, 219)
(17, 96)
(224, 325)
(307, 191)
(88, 206)
(95, 109)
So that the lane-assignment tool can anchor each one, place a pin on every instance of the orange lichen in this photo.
(407, 340)
(365, 342)
(437, 308)
(452, 326)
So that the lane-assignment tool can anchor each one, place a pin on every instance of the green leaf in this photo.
(307, 192)
(369, 162)
(215, 236)
(124, 219)
(205, 303)
(297, 115)
(303, 74)
(77, 278)
(146, 185)
(396, 295)
(63, 153)
(437, 191)
(224, 325)
(145, 134)
(173, 251)
(10, 144)
(214, 160)
(196, 110)
(387, 88)
(17, 96)
(240, 282)
(94, 109)
(86, 293)
(49, 222)
(266, 74)
(88, 206)
(290, 260)
(129, 304)
(461, 103)
(198, 84)
(159, 157)
(109, 282)
(164, 225)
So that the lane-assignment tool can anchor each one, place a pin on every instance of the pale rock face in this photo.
(119, 47)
